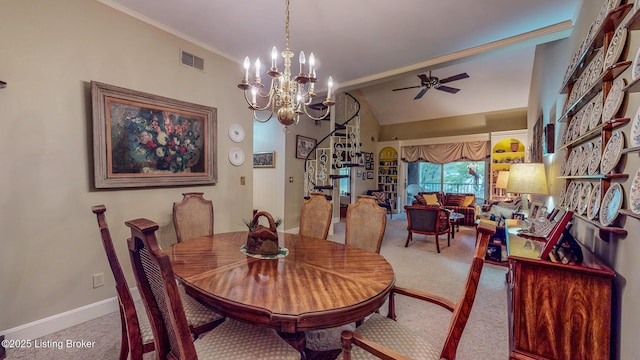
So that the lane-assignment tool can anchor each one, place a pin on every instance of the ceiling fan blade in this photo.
(424, 78)
(454, 78)
(421, 93)
(405, 88)
(448, 89)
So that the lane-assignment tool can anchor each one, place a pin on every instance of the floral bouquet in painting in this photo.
(153, 141)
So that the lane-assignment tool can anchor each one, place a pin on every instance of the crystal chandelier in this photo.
(291, 96)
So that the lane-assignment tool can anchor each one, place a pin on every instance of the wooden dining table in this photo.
(319, 284)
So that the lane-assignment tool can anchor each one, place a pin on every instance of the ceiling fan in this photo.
(428, 82)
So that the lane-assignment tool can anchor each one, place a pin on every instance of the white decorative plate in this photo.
(236, 156)
(576, 196)
(611, 204)
(563, 167)
(594, 160)
(577, 118)
(575, 162)
(569, 134)
(596, 112)
(618, 41)
(612, 152)
(597, 68)
(635, 68)
(569, 197)
(634, 194)
(563, 196)
(586, 118)
(584, 159)
(567, 167)
(594, 202)
(575, 92)
(634, 137)
(614, 99)
(583, 199)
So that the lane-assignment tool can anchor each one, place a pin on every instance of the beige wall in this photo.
(621, 253)
(51, 50)
(514, 119)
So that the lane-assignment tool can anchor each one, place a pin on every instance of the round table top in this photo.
(319, 284)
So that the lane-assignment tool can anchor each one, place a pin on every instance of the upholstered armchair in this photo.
(428, 220)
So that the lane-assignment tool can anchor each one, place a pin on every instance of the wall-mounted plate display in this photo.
(611, 204)
(583, 200)
(634, 194)
(596, 155)
(612, 152)
(614, 99)
(634, 137)
(586, 118)
(584, 159)
(594, 202)
(236, 133)
(576, 196)
(236, 156)
(616, 46)
(596, 112)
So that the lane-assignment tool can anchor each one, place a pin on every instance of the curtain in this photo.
(445, 153)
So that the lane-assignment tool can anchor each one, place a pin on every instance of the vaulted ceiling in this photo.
(376, 46)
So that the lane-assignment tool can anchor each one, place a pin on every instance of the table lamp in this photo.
(501, 182)
(525, 179)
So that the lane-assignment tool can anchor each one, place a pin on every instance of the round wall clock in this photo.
(236, 156)
(236, 133)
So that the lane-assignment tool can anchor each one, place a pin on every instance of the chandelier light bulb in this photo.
(274, 58)
(258, 68)
(312, 63)
(247, 65)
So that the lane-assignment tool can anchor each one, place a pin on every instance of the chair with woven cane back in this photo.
(383, 337)
(193, 216)
(156, 280)
(137, 337)
(365, 224)
(315, 216)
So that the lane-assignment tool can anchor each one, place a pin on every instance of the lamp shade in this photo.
(503, 178)
(527, 178)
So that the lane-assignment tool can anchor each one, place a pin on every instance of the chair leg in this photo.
(437, 244)
(409, 238)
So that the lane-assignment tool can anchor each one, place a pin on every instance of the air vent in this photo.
(191, 60)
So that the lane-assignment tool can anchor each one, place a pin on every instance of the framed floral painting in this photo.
(145, 140)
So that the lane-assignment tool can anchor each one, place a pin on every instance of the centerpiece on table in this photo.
(262, 240)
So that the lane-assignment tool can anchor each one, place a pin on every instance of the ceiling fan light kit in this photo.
(428, 82)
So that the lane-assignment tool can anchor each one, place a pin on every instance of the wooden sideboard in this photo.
(556, 311)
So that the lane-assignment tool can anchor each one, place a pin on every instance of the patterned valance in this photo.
(445, 153)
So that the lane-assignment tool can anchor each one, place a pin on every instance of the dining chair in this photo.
(193, 216)
(315, 216)
(137, 337)
(156, 281)
(365, 224)
(427, 220)
(385, 338)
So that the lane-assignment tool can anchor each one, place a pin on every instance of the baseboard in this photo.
(54, 323)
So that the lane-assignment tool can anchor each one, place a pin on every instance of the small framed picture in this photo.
(369, 174)
(304, 147)
(534, 210)
(265, 159)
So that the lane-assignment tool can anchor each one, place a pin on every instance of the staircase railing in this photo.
(343, 151)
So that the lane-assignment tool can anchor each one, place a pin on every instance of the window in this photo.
(458, 177)
(345, 183)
